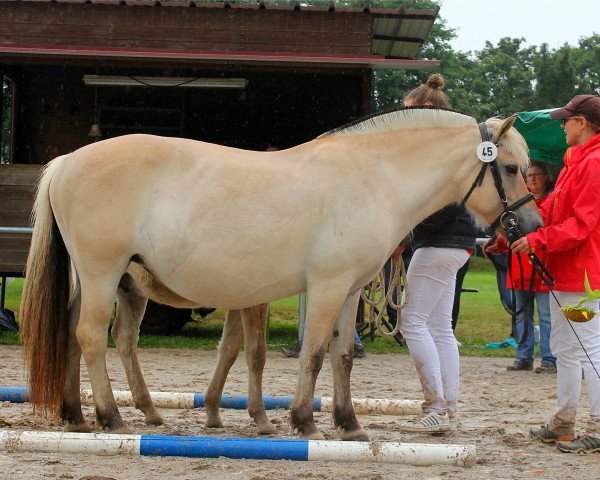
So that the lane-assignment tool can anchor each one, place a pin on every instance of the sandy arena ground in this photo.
(497, 410)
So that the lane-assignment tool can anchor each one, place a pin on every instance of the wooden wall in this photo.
(184, 28)
(17, 190)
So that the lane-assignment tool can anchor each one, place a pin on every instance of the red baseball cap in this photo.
(587, 106)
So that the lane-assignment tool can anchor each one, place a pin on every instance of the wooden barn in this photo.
(248, 75)
(239, 74)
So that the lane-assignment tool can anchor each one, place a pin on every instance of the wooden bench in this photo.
(18, 184)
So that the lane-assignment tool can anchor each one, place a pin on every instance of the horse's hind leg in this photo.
(254, 320)
(341, 352)
(71, 407)
(96, 309)
(323, 308)
(131, 305)
(229, 348)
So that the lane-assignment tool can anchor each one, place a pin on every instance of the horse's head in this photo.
(500, 197)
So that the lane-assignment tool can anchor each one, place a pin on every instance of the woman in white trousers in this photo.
(441, 245)
(427, 328)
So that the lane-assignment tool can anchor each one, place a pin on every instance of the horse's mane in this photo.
(427, 117)
(403, 118)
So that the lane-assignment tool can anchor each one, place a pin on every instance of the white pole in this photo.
(377, 406)
(251, 448)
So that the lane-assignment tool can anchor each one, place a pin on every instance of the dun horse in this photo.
(217, 226)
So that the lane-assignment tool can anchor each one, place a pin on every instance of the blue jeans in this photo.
(501, 266)
(525, 350)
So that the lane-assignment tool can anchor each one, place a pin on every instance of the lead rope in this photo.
(378, 297)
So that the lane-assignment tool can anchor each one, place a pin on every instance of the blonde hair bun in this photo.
(436, 81)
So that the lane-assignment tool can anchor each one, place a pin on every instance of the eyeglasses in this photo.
(535, 175)
(569, 118)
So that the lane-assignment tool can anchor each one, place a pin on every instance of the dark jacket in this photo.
(450, 227)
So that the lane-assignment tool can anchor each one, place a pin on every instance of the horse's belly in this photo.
(231, 289)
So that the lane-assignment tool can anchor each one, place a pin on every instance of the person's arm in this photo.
(495, 245)
(576, 228)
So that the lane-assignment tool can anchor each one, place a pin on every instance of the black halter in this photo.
(508, 218)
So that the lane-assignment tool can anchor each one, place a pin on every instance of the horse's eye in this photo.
(512, 169)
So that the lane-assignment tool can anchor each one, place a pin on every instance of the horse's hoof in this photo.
(213, 423)
(358, 435)
(266, 429)
(77, 427)
(316, 435)
(155, 420)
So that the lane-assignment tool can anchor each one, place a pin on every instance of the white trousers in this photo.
(570, 360)
(426, 325)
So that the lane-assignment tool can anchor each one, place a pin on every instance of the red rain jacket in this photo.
(570, 239)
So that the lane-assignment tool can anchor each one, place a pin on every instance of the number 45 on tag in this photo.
(487, 152)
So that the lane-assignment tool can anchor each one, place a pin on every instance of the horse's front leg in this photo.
(323, 308)
(131, 305)
(91, 333)
(254, 320)
(70, 411)
(229, 348)
(341, 353)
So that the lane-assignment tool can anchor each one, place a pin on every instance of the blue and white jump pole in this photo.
(372, 406)
(241, 448)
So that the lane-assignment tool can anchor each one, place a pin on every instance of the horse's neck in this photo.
(431, 175)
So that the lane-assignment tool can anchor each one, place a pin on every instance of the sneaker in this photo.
(520, 365)
(585, 444)
(430, 423)
(545, 368)
(546, 435)
(292, 350)
(359, 350)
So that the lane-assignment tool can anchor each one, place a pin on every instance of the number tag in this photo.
(487, 152)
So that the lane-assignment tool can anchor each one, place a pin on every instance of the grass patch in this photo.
(482, 320)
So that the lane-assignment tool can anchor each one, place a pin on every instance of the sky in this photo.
(540, 21)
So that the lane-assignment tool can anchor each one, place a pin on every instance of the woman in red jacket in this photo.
(570, 242)
(539, 184)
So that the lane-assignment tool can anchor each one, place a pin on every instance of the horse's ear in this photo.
(505, 127)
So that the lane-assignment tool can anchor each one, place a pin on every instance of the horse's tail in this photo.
(44, 306)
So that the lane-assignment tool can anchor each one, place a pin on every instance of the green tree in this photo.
(586, 64)
(555, 76)
(504, 77)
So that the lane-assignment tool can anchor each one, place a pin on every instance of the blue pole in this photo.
(14, 394)
(206, 447)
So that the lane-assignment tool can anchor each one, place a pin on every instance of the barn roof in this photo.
(393, 37)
